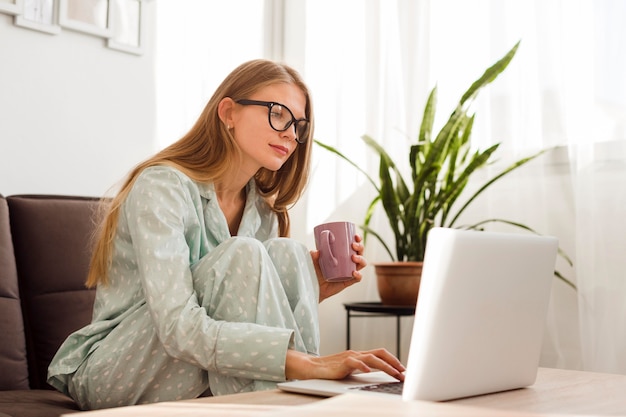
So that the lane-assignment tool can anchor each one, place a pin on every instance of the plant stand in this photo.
(377, 310)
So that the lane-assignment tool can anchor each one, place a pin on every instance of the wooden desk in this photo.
(555, 392)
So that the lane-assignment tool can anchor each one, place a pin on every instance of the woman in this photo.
(198, 286)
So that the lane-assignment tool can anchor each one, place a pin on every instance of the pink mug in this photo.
(334, 241)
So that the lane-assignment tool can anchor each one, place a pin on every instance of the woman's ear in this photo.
(225, 111)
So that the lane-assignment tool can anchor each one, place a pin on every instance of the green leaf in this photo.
(506, 171)
(380, 239)
(441, 165)
(342, 156)
(490, 74)
(402, 189)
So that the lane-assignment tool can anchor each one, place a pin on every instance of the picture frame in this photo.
(12, 7)
(40, 15)
(128, 24)
(86, 16)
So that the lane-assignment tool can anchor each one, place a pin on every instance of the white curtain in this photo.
(596, 132)
(198, 44)
(370, 65)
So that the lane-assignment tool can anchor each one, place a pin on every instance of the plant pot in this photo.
(398, 282)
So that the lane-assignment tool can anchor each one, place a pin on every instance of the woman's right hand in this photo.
(337, 366)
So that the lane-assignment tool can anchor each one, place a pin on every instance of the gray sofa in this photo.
(44, 256)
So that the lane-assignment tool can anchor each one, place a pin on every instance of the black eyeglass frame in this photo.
(269, 105)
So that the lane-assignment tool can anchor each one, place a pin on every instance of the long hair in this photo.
(209, 149)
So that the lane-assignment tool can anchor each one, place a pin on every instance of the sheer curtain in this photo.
(370, 65)
(198, 44)
(596, 131)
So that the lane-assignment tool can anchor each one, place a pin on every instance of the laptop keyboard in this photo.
(387, 388)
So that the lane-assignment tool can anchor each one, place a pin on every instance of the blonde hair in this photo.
(208, 150)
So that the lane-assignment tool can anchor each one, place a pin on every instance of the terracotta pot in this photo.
(398, 282)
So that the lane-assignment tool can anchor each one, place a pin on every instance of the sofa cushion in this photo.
(13, 365)
(52, 244)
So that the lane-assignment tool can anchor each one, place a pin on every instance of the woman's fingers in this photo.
(358, 259)
(342, 364)
(356, 364)
(357, 245)
(384, 361)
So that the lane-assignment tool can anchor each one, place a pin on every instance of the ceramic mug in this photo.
(334, 241)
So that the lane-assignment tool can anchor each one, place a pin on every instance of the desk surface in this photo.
(556, 392)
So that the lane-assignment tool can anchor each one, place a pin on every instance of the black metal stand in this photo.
(376, 309)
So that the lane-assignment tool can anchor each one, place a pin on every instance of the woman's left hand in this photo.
(328, 289)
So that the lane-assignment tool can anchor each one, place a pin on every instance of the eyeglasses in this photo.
(280, 117)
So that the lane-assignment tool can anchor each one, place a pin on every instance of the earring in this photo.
(228, 127)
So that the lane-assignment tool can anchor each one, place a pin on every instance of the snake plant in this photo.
(441, 165)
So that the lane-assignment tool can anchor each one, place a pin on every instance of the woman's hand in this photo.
(302, 366)
(328, 289)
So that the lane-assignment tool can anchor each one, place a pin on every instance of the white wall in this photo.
(75, 116)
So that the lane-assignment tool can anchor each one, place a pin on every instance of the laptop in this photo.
(479, 319)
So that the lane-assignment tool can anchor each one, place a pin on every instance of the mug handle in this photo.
(327, 240)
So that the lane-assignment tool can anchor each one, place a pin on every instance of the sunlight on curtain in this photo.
(597, 133)
(371, 69)
(198, 43)
(335, 61)
(348, 79)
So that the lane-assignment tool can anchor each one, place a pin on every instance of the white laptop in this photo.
(479, 320)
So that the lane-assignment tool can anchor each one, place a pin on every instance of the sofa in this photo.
(44, 257)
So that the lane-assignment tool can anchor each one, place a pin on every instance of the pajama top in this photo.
(188, 306)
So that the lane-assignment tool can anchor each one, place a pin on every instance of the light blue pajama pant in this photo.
(280, 289)
(271, 283)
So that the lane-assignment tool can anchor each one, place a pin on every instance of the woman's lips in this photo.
(280, 149)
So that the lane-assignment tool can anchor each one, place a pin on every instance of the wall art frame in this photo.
(39, 15)
(12, 7)
(86, 16)
(127, 19)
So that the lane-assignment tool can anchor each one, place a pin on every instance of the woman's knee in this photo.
(246, 246)
(233, 250)
(232, 269)
(282, 247)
